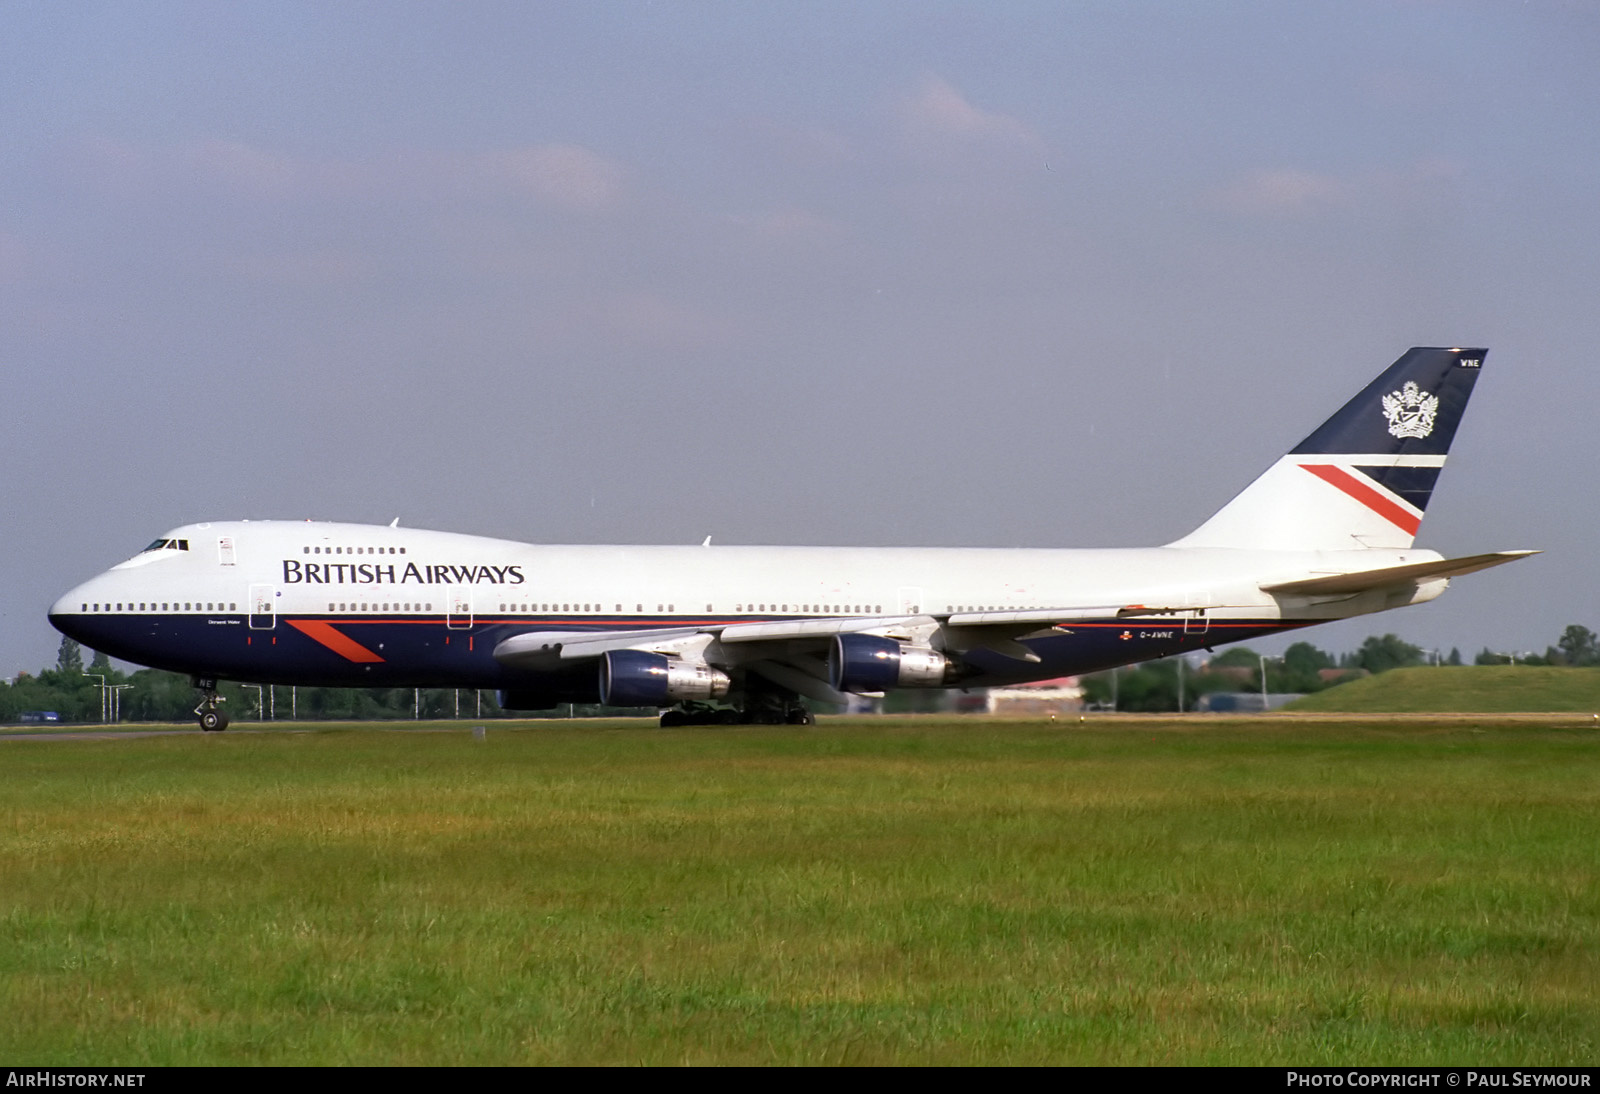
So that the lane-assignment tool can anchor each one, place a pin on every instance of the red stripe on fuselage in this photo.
(1343, 480)
(339, 643)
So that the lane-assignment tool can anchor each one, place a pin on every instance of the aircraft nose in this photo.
(66, 614)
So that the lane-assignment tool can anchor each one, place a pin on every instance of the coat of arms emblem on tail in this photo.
(1410, 411)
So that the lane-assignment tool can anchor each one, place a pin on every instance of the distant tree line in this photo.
(1165, 685)
(151, 695)
(80, 694)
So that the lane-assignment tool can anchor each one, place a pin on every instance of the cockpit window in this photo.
(168, 545)
(157, 545)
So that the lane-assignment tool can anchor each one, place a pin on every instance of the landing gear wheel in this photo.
(800, 716)
(211, 719)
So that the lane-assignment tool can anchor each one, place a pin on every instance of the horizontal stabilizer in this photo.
(1363, 580)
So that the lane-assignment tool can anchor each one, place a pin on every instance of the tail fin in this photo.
(1364, 477)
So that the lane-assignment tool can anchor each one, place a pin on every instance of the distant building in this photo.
(1040, 698)
(1237, 674)
(1336, 676)
(35, 716)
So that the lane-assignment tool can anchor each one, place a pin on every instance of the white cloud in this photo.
(1285, 190)
(246, 169)
(1289, 191)
(566, 175)
(938, 111)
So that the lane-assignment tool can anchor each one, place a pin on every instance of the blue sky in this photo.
(1001, 274)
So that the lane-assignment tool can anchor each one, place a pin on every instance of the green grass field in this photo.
(1498, 689)
(874, 891)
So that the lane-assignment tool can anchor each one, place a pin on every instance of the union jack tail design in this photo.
(1363, 478)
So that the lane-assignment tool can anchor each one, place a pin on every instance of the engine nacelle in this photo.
(866, 662)
(634, 678)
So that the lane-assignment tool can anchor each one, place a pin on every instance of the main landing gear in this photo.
(209, 713)
(766, 705)
(728, 716)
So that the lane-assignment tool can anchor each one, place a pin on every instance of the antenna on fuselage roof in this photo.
(395, 523)
(707, 542)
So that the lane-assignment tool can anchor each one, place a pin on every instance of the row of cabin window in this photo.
(581, 607)
(835, 609)
(195, 606)
(576, 608)
(352, 550)
(830, 609)
(380, 607)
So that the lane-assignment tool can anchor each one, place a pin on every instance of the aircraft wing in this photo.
(793, 652)
(998, 630)
(1363, 580)
(548, 649)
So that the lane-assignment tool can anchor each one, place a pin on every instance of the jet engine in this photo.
(634, 678)
(866, 662)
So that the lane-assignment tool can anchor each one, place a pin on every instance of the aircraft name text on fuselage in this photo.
(296, 572)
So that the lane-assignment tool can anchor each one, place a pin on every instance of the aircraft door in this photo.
(910, 599)
(458, 608)
(263, 607)
(1196, 617)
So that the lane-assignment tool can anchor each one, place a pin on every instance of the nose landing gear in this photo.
(209, 713)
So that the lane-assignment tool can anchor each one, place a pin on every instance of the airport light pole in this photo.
(116, 700)
(1264, 659)
(259, 703)
(102, 686)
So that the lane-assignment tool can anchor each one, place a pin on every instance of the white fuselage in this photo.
(230, 601)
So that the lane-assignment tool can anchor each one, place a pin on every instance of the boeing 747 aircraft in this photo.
(1325, 533)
